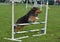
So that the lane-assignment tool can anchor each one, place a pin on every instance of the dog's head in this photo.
(36, 10)
(34, 14)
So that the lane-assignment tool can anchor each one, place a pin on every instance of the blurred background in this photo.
(51, 2)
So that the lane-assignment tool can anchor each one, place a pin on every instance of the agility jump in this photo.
(21, 24)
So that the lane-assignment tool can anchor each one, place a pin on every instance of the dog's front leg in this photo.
(32, 19)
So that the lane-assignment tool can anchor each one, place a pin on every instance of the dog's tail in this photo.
(14, 27)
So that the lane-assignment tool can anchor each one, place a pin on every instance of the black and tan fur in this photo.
(30, 17)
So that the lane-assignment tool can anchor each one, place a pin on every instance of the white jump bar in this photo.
(22, 37)
(28, 31)
(37, 35)
(30, 23)
(22, 32)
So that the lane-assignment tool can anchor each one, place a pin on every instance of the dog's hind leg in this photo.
(18, 28)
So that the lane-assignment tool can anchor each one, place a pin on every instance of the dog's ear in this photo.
(34, 8)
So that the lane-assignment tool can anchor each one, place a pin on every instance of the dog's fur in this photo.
(29, 17)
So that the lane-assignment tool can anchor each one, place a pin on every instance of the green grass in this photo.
(53, 30)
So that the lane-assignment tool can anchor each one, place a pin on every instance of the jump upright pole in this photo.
(46, 16)
(12, 19)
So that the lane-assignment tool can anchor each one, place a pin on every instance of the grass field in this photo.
(53, 30)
